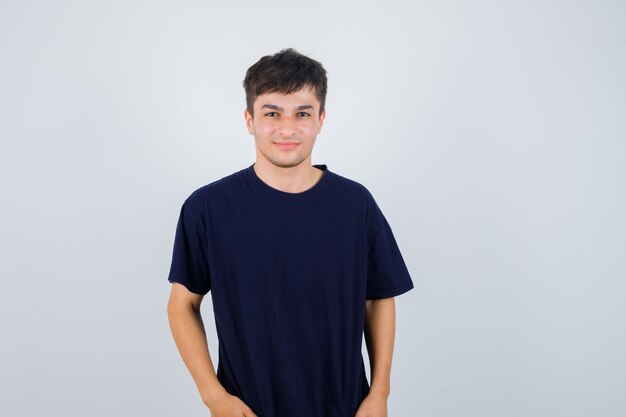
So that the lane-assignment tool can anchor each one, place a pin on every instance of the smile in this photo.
(287, 145)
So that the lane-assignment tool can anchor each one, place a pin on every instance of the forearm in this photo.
(190, 337)
(379, 338)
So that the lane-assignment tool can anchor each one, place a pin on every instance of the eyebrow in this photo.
(275, 107)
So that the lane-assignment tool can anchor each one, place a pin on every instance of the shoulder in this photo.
(352, 189)
(351, 186)
(200, 199)
(358, 194)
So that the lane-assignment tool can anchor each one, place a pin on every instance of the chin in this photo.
(287, 164)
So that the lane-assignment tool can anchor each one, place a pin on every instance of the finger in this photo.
(249, 413)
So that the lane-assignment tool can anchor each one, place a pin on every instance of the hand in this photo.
(372, 406)
(227, 405)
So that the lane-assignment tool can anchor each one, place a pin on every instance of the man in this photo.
(300, 262)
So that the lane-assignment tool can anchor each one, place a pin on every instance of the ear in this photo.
(249, 121)
(322, 117)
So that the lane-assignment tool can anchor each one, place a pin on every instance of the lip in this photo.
(287, 145)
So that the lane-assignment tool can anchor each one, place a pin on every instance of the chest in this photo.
(313, 239)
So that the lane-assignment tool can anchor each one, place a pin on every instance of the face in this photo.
(285, 126)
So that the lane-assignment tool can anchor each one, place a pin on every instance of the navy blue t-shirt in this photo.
(289, 274)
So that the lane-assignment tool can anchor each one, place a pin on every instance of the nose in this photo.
(287, 127)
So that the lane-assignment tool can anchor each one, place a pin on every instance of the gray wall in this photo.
(492, 134)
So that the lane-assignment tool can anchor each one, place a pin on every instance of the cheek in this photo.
(264, 129)
(308, 129)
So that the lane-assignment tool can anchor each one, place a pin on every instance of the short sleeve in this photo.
(387, 274)
(190, 255)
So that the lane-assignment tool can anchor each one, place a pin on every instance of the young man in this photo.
(300, 262)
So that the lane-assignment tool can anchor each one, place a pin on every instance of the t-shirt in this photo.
(289, 274)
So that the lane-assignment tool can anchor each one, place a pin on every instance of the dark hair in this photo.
(285, 72)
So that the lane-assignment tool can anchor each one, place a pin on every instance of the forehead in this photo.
(304, 96)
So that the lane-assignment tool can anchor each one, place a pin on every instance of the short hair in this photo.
(285, 72)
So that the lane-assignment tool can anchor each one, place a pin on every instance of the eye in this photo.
(271, 114)
(303, 114)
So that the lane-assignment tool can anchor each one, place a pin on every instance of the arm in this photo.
(183, 310)
(379, 338)
(380, 321)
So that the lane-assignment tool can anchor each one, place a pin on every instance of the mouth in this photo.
(287, 145)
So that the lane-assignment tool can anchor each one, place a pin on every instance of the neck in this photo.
(295, 179)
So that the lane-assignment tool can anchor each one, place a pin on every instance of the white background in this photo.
(491, 133)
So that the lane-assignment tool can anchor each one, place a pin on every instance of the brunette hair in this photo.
(285, 72)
